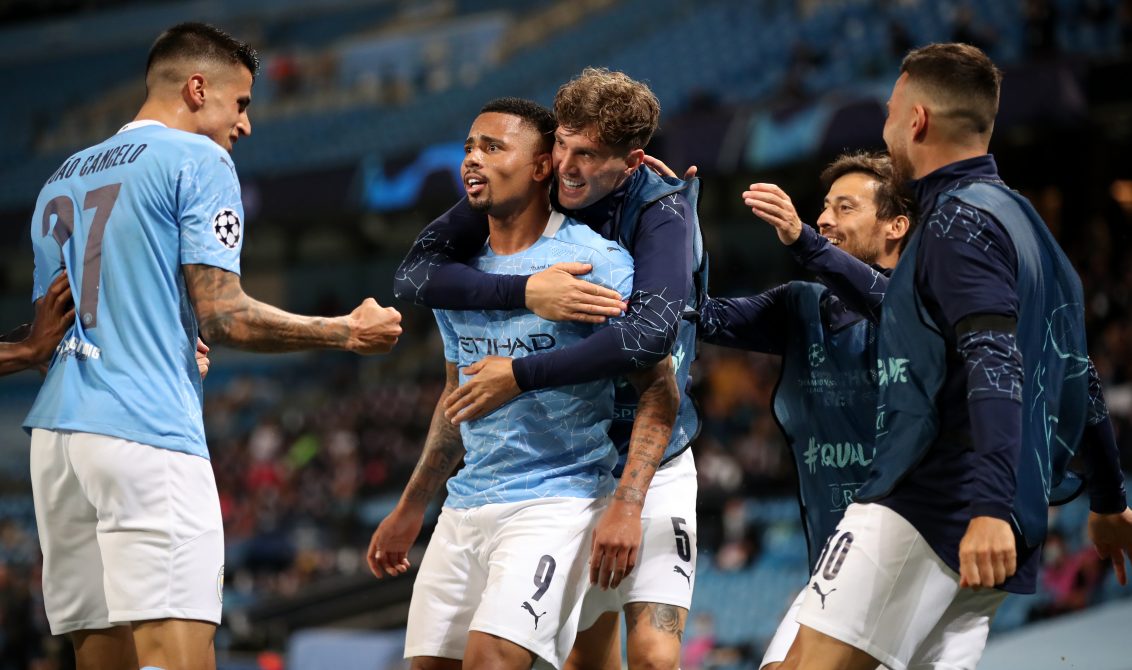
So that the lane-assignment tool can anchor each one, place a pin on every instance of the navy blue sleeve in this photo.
(1101, 455)
(994, 404)
(857, 284)
(662, 279)
(969, 264)
(434, 273)
(757, 323)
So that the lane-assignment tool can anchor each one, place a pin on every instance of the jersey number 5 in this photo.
(101, 200)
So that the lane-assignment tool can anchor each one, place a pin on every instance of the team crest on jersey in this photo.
(226, 227)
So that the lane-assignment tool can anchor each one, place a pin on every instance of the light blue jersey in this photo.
(551, 442)
(121, 218)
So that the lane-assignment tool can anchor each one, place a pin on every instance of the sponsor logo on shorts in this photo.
(527, 606)
(686, 575)
(817, 590)
(220, 585)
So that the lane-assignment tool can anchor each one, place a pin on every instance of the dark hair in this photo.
(623, 111)
(962, 79)
(200, 41)
(890, 198)
(538, 117)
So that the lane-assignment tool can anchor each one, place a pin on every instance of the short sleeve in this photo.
(211, 212)
(448, 335)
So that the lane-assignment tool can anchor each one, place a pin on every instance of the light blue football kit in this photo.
(121, 218)
(125, 498)
(550, 442)
(509, 551)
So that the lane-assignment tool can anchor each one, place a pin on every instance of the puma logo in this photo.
(817, 590)
(527, 606)
(687, 576)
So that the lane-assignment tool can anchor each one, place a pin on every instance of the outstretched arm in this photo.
(228, 315)
(858, 284)
(617, 536)
(389, 547)
(435, 273)
(31, 346)
(758, 323)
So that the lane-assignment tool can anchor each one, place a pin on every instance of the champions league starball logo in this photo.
(817, 355)
(226, 227)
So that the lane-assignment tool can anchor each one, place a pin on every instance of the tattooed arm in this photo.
(617, 536)
(230, 316)
(389, 546)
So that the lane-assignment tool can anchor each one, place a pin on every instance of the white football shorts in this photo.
(881, 588)
(129, 532)
(514, 570)
(666, 563)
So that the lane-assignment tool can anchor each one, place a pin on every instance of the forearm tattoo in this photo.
(229, 316)
(656, 414)
(442, 453)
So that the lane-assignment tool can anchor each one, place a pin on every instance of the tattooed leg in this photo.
(655, 632)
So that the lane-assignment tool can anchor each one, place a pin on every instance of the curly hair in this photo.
(623, 112)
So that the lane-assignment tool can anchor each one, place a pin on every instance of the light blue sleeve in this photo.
(211, 215)
(448, 335)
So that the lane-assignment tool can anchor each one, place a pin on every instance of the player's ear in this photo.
(896, 228)
(920, 120)
(194, 91)
(543, 167)
(633, 160)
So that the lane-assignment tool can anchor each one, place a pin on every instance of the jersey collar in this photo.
(140, 124)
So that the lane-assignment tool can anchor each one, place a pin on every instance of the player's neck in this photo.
(934, 157)
(513, 232)
(172, 116)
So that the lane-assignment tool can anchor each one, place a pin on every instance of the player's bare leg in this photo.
(105, 649)
(655, 632)
(435, 663)
(599, 646)
(176, 643)
(817, 651)
(488, 652)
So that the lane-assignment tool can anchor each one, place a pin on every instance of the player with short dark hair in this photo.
(148, 227)
(984, 395)
(502, 581)
(604, 120)
(825, 401)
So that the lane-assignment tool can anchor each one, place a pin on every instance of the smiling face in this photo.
(501, 168)
(223, 116)
(588, 170)
(849, 219)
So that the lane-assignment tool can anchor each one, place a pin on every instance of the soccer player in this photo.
(148, 226)
(983, 393)
(825, 402)
(32, 345)
(605, 119)
(522, 509)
